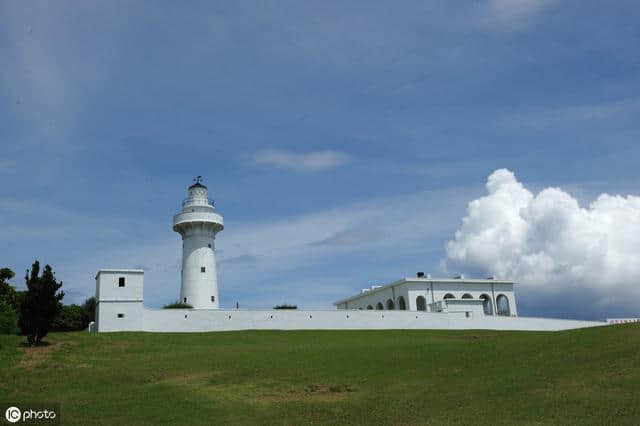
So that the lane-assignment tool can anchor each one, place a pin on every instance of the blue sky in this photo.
(342, 141)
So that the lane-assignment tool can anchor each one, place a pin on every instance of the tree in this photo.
(75, 317)
(70, 318)
(285, 306)
(8, 319)
(8, 303)
(7, 291)
(5, 275)
(41, 303)
(177, 305)
(89, 308)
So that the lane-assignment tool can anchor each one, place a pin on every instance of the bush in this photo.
(285, 306)
(75, 317)
(8, 293)
(89, 307)
(177, 305)
(8, 319)
(70, 318)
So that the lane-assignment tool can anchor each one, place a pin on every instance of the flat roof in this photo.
(424, 280)
(126, 271)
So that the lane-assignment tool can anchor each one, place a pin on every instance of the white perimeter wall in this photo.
(194, 320)
(122, 309)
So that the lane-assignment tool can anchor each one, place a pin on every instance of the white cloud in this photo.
(303, 162)
(550, 244)
(511, 14)
(510, 9)
(574, 114)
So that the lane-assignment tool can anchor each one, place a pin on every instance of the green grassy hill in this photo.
(390, 377)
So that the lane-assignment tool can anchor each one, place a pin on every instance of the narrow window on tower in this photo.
(121, 282)
(185, 300)
(209, 245)
(203, 269)
(213, 298)
(120, 315)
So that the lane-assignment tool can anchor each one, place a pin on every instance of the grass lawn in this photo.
(587, 376)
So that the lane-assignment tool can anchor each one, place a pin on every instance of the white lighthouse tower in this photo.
(198, 223)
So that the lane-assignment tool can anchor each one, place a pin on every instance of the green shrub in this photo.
(285, 306)
(70, 318)
(89, 307)
(8, 319)
(177, 305)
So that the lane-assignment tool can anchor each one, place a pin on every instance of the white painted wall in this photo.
(121, 309)
(109, 316)
(107, 284)
(470, 307)
(195, 320)
(415, 290)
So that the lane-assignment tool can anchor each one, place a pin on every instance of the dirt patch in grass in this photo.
(212, 385)
(310, 393)
(116, 346)
(618, 372)
(201, 378)
(34, 356)
(463, 337)
(320, 389)
(564, 387)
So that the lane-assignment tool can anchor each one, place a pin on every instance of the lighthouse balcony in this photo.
(187, 218)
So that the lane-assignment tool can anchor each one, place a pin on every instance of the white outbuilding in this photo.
(423, 293)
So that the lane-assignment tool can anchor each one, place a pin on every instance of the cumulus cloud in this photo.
(551, 245)
(303, 162)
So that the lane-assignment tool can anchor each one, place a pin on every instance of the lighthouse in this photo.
(198, 223)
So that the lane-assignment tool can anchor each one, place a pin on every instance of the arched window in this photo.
(421, 303)
(401, 304)
(390, 306)
(369, 307)
(502, 304)
(487, 305)
(379, 306)
(467, 296)
(449, 296)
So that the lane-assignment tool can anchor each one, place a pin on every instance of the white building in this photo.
(423, 293)
(410, 303)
